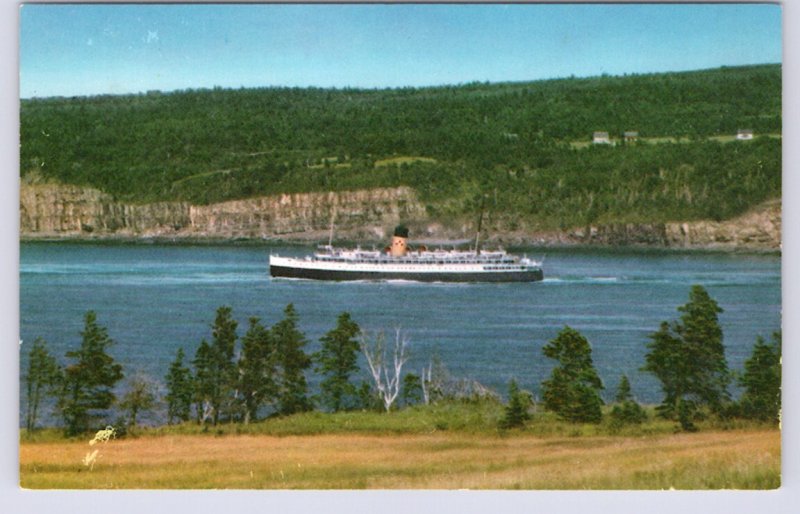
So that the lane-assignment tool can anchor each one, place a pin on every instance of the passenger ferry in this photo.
(399, 262)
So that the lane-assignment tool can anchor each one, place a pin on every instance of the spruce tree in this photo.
(257, 369)
(762, 381)
(623, 390)
(203, 381)
(89, 381)
(223, 333)
(572, 391)
(215, 369)
(180, 390)
(703, 343)
(668, 363)
(293, 362)
(336, 361)
(516, 411)
(688, 357)
(626, 410)
(42, 378)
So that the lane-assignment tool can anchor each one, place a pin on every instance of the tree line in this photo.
(688, 358)
(265, 375)
(214, 145)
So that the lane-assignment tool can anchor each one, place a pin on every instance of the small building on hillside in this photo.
(601, 138)
(744, 134)
(630, 136)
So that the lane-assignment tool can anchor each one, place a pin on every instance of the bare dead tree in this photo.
(439, 384)
(426, 381)
(434, 381)
(208, 411)
(385, 376)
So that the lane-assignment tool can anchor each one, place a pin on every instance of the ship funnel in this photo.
(399, 239)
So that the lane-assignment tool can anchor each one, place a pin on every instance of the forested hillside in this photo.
(513, 145)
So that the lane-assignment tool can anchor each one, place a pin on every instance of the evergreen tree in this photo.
(89, 380)
(257, 369)
(43, 377)
(337, 360)
(668, 363)
(702, 334)
(762, 381)
(572, 391)
(293, 362)
(623, 390)
(223, 343)
(516, 411)
(626, 409)
(688, 357)
(368, 398)
(180, 390)
(203, 381)
(223, 333)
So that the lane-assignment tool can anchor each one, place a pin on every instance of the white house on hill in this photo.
(601, 138)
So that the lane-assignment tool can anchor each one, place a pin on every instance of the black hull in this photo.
(487, 276)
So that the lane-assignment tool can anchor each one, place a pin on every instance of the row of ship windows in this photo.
(485, 268)
(403, 261)
(408, 267)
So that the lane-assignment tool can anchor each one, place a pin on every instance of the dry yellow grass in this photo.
(735, 459)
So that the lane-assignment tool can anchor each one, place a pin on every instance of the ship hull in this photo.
(533, 275)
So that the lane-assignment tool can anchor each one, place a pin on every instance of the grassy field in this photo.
(397, 161)
(732, 459)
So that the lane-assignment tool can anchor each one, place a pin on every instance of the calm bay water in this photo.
(156, 298)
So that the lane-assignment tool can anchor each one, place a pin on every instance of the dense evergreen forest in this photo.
(524, 146)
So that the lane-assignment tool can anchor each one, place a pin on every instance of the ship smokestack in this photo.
(399, 239)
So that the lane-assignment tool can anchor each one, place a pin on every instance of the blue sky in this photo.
(113, 49)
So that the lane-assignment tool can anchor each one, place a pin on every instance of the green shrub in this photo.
(516, 411)
(626, 411)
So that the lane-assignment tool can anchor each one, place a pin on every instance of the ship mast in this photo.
(480, 222)
(330, 235)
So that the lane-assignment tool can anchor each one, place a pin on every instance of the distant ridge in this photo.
(527, 145)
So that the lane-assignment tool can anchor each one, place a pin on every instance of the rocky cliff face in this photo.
(63, 210)
(48, 210)
(356, 214)
(759, 229)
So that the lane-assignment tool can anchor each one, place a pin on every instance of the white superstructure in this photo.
(435, 265)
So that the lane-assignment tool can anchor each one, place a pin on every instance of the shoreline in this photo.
(308, 241)
(71, 213)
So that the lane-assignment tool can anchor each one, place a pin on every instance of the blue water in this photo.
(156, 298)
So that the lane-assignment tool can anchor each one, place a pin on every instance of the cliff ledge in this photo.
(64, 211)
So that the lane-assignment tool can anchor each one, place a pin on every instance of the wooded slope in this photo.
(511, 144)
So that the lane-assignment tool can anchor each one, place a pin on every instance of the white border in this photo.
(379, 502)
